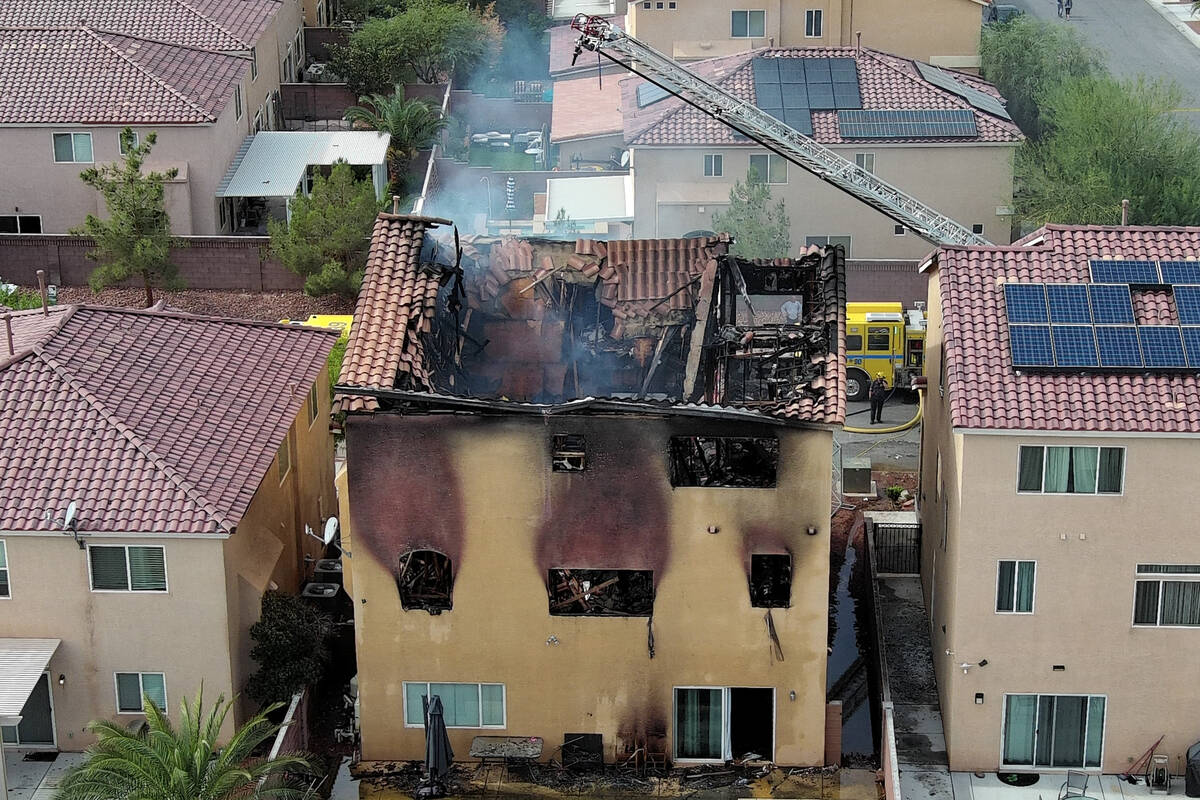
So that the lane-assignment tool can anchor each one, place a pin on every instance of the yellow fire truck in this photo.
(883, 338)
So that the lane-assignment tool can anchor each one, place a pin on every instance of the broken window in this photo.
(770, 581)
(569, 453)
(601, 592)
(724, 461)
(425, 581)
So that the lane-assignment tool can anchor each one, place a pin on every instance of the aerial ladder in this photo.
(601, 36)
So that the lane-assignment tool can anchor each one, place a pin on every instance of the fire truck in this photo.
(883, 339)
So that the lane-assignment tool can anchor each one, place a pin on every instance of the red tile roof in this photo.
(151, 421)
(886, 82)
(585, 107)
(984, 390)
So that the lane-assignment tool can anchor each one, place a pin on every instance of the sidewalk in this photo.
(1179, 15)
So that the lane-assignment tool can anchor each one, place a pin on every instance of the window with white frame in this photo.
(312, 404)
(253, 63)
(768, 167)
(812, 23)
(237, 102)
(133, 688)
(258, 120)
(865, 161)
(284, 457)
(322, 18)
(898, 230)
(299, 55)
(1167, 595)
(73, 148)
(4, 589)
(20, 223)
(1056, 731)
(1015, 587)
(288, 74)
(1071, 470)
(714, 165)
(464, 705)
(127, 568)
(127, 142)
(825, 241)
(748, 24)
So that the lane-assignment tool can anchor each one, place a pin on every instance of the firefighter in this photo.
(878, 396)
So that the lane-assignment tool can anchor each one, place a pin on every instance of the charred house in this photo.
(588, 493)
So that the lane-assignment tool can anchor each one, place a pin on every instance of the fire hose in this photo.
(901, 427)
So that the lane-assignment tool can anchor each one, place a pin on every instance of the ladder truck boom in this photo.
(601, 36)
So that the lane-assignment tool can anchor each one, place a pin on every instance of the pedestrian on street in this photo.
(1060, 9)
(878, 396)
(1067, 9)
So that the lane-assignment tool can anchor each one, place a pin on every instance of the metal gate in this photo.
(898, 548)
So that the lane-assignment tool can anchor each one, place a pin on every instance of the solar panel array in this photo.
(981, 100)
(1078, 326)
(790, 89)
(649, 93)
(1144, 271)
(912, 124)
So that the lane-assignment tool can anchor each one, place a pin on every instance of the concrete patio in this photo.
(967, 786)
(36, 780)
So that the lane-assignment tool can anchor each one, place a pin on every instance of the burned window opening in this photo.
(569, 453)
(601, 592)
(770, 581)
(725, 461)
(425, 581)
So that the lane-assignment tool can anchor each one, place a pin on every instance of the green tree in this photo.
(165, 762)
(412, 125)
(759, 229)
(1107, 140)
(430, 40)
(135, 240)
(15, 298)
(1025, 58)
(291, 647)
(326, 239)
(362, 10)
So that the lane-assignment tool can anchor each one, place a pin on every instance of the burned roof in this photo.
(664, 325)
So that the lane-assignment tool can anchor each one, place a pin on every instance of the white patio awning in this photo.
(590, 199)
(22, 662)
(275, 161)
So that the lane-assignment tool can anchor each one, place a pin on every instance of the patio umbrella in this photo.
(438, 753)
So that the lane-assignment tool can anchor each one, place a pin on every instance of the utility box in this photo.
(856, 475)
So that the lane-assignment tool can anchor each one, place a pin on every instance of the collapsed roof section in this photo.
(656, 326)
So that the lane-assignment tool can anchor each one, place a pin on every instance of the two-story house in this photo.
(588, 493)
(1058, 563)
(157, 473)
(942, 137)
(201, 75)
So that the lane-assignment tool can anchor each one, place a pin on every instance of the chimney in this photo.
(41, 276)
(857, 43)
(395, 204)
(1124, 212)
(12, 351)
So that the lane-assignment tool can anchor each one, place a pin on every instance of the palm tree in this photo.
(161, 762)
(412, 125)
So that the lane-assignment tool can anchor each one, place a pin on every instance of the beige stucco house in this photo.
(632, 528)
(202, 76)
(941, 32)
(157, 475)
(942, 137)
(1058, 564)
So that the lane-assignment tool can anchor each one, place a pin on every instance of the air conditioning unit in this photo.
(328, 570)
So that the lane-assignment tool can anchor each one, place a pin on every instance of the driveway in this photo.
(898, 452)
(1133, 39)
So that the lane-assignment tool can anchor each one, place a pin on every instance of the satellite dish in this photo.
(625, 159)
(331, 530)
(69, 517)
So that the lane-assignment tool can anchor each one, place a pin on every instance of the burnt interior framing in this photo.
(770, 580)
(425, 580)
(728, 461)
(600, 592)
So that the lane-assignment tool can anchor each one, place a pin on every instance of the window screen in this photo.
(147, 569)
(129, 692)
(3, 570)
(109, 570)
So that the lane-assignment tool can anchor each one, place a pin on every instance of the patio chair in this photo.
(1074, 786)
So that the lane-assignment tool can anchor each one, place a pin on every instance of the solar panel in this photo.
(1162, 346)
(765, 70)
(1180, 271)
(794, 95)
(1031, 345)
(1074, 346)
(1118, 346)
(1069, 303)
(1025, 302)
(846, 95)
(1111, 304)
(820, 97)
(816, 70)
(981, 100)
(791, 70)
(917, 124)
(1191, 343)
(768, 95)
(648, 94)
(774, 111)
(1124, 271)
(1187, 304)
(843, 69)
(800, 119)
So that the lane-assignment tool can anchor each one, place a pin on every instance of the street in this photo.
(1133, 39)
(893, 451)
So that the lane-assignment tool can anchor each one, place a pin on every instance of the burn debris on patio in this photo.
(601, 592)
(569, 453)
(724, 461)
(426, 581)
(770, 581)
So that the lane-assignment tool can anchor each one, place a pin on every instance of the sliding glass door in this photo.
(1053, 730)
(699, 723)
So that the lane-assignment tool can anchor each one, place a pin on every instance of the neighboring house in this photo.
(202, 75)
(1062, 416)
(193, 451)
(942, 32)
(565, 63)
(586, 123)
(585, 507)
(942, 137)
